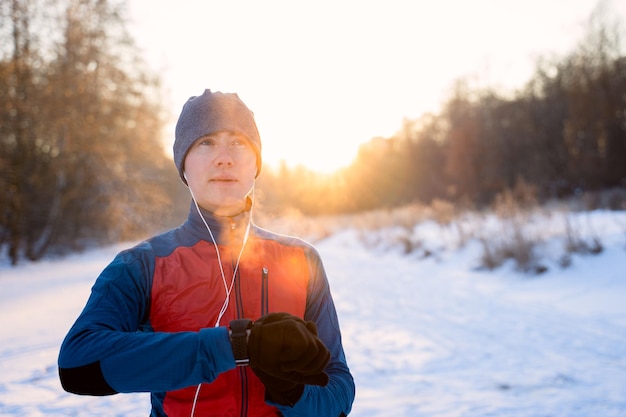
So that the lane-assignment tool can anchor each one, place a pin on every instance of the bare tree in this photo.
(82, 134)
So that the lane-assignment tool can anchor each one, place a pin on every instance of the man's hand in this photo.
(285, 353)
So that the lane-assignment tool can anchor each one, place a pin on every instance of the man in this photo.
(217, 317)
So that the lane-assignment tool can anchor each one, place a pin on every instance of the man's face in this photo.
(220, 169)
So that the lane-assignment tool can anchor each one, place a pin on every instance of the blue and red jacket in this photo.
(150, 322)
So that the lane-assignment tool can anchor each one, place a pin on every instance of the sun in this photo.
(314, 157)
(322, 152)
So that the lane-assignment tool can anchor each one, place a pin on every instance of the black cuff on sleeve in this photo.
(85, 380)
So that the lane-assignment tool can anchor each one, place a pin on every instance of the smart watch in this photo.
(239, 333)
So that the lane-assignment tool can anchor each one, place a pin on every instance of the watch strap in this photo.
(239, 333)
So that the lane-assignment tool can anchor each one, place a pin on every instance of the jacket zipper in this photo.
(238, 300)
(239, 314)
(264, 291)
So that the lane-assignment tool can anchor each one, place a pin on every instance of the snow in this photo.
(424, 335)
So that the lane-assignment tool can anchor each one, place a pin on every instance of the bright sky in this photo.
(324, 76)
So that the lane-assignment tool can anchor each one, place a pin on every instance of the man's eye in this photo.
(206, 142)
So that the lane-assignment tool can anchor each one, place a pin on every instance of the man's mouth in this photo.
(223, 179)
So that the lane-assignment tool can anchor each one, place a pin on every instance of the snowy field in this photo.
(423, 337)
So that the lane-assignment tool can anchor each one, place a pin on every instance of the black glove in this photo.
(280, 391)
(285, 353)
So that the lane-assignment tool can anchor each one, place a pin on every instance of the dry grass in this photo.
(515, 229)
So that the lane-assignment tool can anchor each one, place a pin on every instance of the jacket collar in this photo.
(225, 230)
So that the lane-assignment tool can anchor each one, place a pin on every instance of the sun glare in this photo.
(304, 151)
(315, 158)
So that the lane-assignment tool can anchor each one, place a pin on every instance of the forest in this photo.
(563, 132)
(82, 120)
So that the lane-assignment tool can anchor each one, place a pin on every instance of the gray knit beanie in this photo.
(209, 113)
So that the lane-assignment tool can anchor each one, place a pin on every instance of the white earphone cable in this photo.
(195, 400)
(227, 288)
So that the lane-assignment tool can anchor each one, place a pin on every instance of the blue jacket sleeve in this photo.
(336, 398)
(110, 348)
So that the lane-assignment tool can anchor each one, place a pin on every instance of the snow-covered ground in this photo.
(423, 337)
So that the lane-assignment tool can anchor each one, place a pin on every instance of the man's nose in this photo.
(224, 156)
